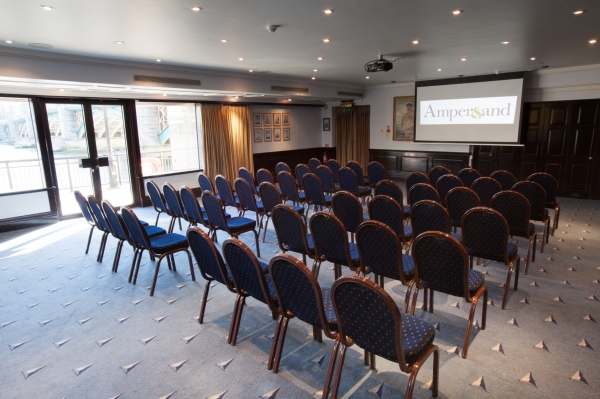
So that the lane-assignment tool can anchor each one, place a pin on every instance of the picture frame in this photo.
(276, 119)
(276, 133)
(285, 119)
(257, 120)
(258, 135)
(326, 124)
(286, 134)
(267, 121)
(268, 136)
(404, 118)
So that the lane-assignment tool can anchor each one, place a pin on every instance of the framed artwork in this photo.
(326, 124)
(286, 133)
(276, 133)
(276, 119)
(404, 118)
(258, 135)
(257, 120)
(267, 120)
(268, 134)
(286, 119)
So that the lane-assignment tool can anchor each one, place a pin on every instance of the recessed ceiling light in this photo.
(578, 12)
(159, 60)
(532, 58)
(320, 58)
(456, 12)
(593, 41)
(164, 95)
(326, 40)
(9, 41)
(251, 70)
(47, 8)
(463, 59)
(119, 42)
(328, 11)
(313, 78)
(61, 89)
(505, 42)
(224, 40)
(439, 69)
(240, 59)
(235, 97)
(367, 77)
(315, 70)
(196, 8)
(415, 42)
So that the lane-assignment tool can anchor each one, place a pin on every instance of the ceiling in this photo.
(359, 31)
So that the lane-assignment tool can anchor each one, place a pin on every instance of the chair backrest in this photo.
(298, 291)
(191, 206)
(369, 317)
(468, 176)
(505, 178)
(330, 237)
(301, 170)
(313, 188)
(158, 202)
(246, 271)
(282, 167)
(245, 193)
(348, 209)
(357, 169)
(98, 213)
(536, 195)
(445, 184)
(214, 212)
(136, 230)
(458, 201)
(376, 173)
(347, 179)
(380, 249)
(386, 210)
(326, 177)
(441, 263)
(335, 167)
(247, 175)
(422, 191)
(225, 191)
(288, 186)
(205, 183)
(313, 164)
(391, 189)
(485, 234)
(550, 185)
(85, 207)
(416, 178)
(269, 196)
(486, 188)
(429, 215)
(207, 257)
(115, 222)
(436, 172)
(290, 229)
(516, 210)
(263, 175)
(173, 200)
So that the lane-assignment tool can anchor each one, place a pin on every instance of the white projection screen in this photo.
(484, 111)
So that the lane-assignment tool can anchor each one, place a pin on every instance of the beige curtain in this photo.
(352, 135)
(227, 139)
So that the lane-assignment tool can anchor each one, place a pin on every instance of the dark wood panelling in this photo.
(414, 161)
(414, 164)
(269, 160)
(388, 161)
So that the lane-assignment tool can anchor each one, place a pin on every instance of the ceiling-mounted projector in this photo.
(379, 65)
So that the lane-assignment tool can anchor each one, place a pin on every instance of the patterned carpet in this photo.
(71, 328)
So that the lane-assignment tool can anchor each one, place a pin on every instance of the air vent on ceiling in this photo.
(290, 89)
(346, 93)
(162, 79)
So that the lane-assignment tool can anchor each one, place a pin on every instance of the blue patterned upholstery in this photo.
(153, 231)
(270, 196)
(334, 166)
(85, 207)
(387, 211)
(156, 197)
(372, 323)
(291, 231)
(416, 178)
(289, 188)
(331, 240)
(246, 197)
(214, 212)
(282, 167)
(391, 189)
(225, 193)
(422, 191)
(358, 172)
(263, 175)
(98, 214)
(118, 226)
(168, 242)
(326, 177)
(505, 178)
(516, 209)
(301, 170)
(536, 195)
(486, 188)
(348, 182)
(136, 232)
(460, 200)
(173, 201)
(468, 176)
(237, 224)
(445, 184)
(192, 209)
(429, 216)
(206, 184)
(436, 172)
(207, 256)
(348, 209)
(549, 184)
(313, 164)
(485, 234)
(376, 173)
(314, 191)
(247, 175)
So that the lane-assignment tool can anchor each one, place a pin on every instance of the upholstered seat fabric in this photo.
(168, 242)
(237, 224)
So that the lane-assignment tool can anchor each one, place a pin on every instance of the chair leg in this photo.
(169, 263)
(316, 268)
(236, 327)
(179, 219)
(204, 298)
(265, 231)
(367, 357)
(275, 343)
(338, 372)
(87, 249)
(431, 300)
(191, 265)
(102, 247)
(331, 368)
(417, 366)
(137, 266)
(544, 237)
(257, 246)
(303, 259)
(317, 334)
(414, 301)
(484, 310)
(156, 274)
(469, 327)
(233, 319)
(280, 343)
(407, 297)
(507, 284)
(157, 216)
(133, 262)
(117, 256)
(547, 230)
(471, 262)
(528, 255)
(517, 273)
(425, 297)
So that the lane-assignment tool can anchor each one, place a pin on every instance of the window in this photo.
(169, 137)
(20, 165)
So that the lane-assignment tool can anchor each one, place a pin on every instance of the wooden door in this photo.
(532, 139)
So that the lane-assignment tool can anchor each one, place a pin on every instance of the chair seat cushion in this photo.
(408, 231)
(363, 190)
(512, 250)
(353, 255)
(154, 231)
(143, 223)
(417, 336)
(237, 224)
(458, 236)
(476, 280)
(406, 209)
(168, 242)
(260, 206)
(299, 209)
(328, 199)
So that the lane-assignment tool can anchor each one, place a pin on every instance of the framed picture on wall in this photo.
(258, 135)
(267, 120)
(268, 134)
(326, 124)
(276, 119)
(286, 119)
(286, 133)
(404, 118)
(257, 120)
(276, 133)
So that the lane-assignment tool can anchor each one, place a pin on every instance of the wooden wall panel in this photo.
(269, 160)
(414, 161)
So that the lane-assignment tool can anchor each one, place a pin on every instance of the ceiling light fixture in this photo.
(578, 12)
(224, 40)
(235, 97)
(47, 8)
(289, 99)
(456, 12)
(463, 59)
(367, 77)
(320, 58)
(61, 89)
(9, 41)
(439, 69)
(315, 70)
(119, 42)
(415, 42)
(240, 59)
(159, 60)
(326, 40)
(196, 8)
(593, 41)
(250, 70)
(532, 58)
(328, 11)
(164, 95)
(505, 42)
(313, 78)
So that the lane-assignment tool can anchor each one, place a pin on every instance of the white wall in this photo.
(12, 206)
(305, 128)
(563, 84)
